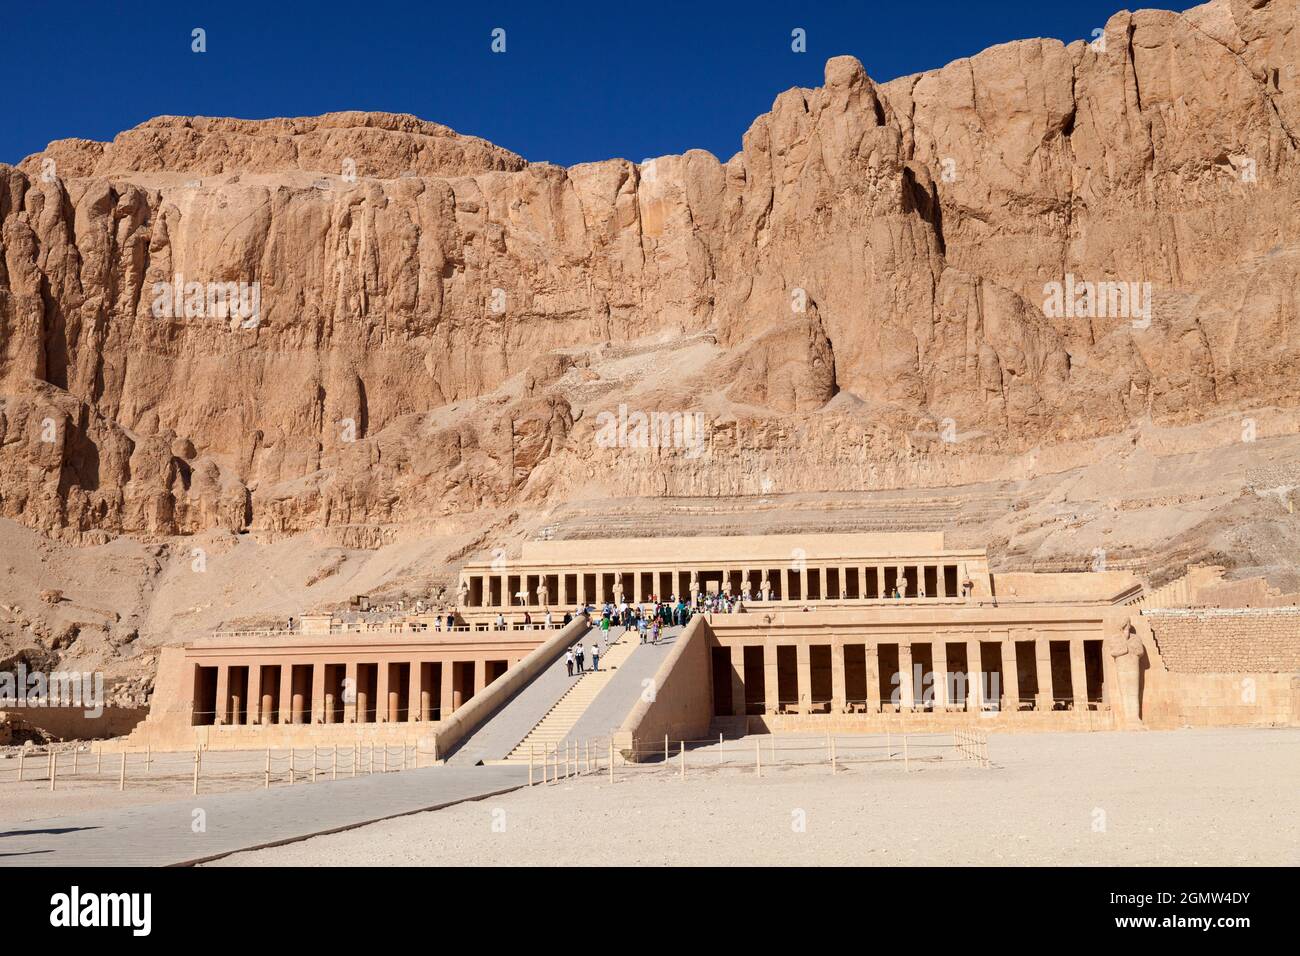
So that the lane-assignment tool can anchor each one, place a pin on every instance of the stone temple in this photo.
(836, 632)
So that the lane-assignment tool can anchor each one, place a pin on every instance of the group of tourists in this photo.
(575, 658)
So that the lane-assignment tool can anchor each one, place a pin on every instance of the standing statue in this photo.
(543, 593)
(618, 589)
(745, 588)
(1126, 647)
(695, 585)
(766, 588)
(726, 587)
(967, 585)
(463, 593)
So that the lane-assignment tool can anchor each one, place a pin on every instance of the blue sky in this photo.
(577, 82)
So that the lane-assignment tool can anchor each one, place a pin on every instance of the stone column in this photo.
(1078, 674)
(975, 687)
(223, 694)
(447, 700)
(394, 702)
(803, 584)
(803, 668)
(1010, 676)
(737, 681)
(381, 693)
(301, 700)
(318, 693)
(350, 693)
(873, 678)
(636, 587)
(880, 581)
(415, 702)
(254, 693)
(939, 654)
(839, 696)
(771, 680)
(940, 581)
(562, 592)
(1043, 659)
(906, 692)
(286, 693)
(480, 675)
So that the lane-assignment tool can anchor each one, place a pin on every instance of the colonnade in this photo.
(799, 581)
(329, 692)
(848, 676)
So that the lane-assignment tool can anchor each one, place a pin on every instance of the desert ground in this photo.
(1185, 798)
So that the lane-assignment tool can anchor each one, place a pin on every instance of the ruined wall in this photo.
(1228, 640)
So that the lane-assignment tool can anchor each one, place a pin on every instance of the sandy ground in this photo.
(1191, 797)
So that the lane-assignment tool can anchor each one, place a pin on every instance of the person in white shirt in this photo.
(548, 619)
(568, 661)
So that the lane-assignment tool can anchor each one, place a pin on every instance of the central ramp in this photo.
(610, 708)
(501, 733)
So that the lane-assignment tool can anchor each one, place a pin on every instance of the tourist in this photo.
(640, 626)
(568, 618)
(581, 654)
(568, 661)
(595, 656)
(604, 629)
(654, 632)
(528, 621)
(549, 622)
(501, 622)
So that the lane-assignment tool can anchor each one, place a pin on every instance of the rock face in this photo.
(439, 323)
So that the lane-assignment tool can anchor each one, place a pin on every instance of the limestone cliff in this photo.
(854, 300)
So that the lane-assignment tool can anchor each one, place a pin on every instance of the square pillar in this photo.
(255, 692)
(906, 692)
(880, 581)
(873, 678)
(223, 694)
(414, 687)
(771, 675)
(1010, 676)
(317, 694)
(1078, 675)
(939, 652)
(1043, 658)
(737, 681)
(446, 702)
(839, 697)
(975, 685)
(480, 675)
(350, 692)
(381, 693)
(803, 669)
(562, 590)
(286, 693)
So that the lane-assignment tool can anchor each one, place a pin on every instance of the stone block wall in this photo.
(1228, 640)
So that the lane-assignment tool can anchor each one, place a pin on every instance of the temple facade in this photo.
(777, 570)
(841, 631)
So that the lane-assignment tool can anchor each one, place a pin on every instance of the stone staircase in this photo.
(559, 720)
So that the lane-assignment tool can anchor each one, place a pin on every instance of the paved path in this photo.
(163, 834)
